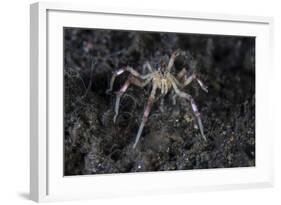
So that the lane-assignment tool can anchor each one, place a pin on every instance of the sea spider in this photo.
(163, 80)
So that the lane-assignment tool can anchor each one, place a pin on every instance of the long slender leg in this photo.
(139, 83)
(194, 77)
(173, 58)
(118, 97)
(174, 98)
(181, 74)
(132, 72)
(161, 107)
(187, 80)
(193, 106)
(147, 66)
(145, 114)
(203, 87)
(114, 75)
(119, 94)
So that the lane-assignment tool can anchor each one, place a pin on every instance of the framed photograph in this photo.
(128, 101)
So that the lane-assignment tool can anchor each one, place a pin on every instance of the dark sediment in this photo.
(93, 144)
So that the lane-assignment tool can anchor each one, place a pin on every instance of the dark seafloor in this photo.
(93, 144)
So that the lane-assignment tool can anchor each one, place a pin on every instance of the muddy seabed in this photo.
(93, 144)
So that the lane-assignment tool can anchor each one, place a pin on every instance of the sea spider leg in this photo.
(193, 106)
(145, 114)
(132, 72)
(194, 77)
(139, 83)
(174, 96)
(147, 66)
(173, 58)
(203, 87)
(188, 80)
(119, 94)
(118, 97)
(181, 74)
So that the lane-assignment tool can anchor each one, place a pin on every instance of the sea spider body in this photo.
(162, 80)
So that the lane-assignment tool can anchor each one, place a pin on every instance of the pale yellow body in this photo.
(162, 82)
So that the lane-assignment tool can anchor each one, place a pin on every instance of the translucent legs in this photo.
(132, 72)
(188, 80)
(147, 108)
(197, 115)
(118, 97)
(145, 115)
(173, 58)
(130, 80)
(195, 111)
(191, 78)
(193, 106)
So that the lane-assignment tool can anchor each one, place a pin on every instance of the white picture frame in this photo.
(47, 182)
